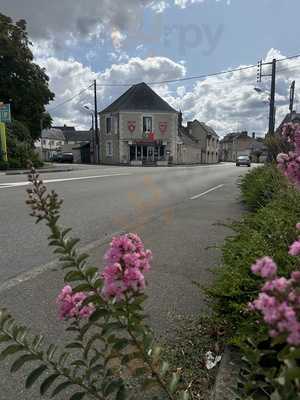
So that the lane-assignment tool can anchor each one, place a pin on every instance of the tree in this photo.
(23, 83)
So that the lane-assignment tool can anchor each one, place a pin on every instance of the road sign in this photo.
(5, 113)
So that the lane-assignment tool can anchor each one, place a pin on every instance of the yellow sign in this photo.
(3, 147)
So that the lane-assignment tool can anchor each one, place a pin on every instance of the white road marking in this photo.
(25, 183)
(207, 191)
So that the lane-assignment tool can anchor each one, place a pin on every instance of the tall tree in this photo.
(23, 83)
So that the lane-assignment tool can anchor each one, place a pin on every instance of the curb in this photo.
(225, 387)
(40, 171)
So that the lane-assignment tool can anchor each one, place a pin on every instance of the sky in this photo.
(123, 42)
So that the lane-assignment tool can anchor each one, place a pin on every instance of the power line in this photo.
(71, 98)
(202, 76)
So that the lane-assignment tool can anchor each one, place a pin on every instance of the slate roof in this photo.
(77, 136)
(53, 134)
(139, 97)
(186, 138)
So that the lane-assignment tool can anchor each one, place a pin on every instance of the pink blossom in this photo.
(298, 226)
(126, 262)
(296, 276)
(294, 249)
(264, 267)
(70, 304)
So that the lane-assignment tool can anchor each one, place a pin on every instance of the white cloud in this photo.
(69, 77)
(117, 38)
(226, 102)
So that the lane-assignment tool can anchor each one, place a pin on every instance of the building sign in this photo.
(131, 126)
(163, 127)
(5, 113)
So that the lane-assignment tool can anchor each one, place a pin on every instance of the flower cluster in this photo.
(126, 262)
(289, 163)
(279, 299)
(70, 304)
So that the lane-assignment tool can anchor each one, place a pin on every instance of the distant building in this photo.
(141, 128)
(236, 144)
(65, 139)
(51, 142)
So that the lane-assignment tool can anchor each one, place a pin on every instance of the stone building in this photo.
(140, 128)
(237, 144)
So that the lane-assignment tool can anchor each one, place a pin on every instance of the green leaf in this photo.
(293, 373)
(71, 243)
(34, 375)
(90, 272)
(51, 350)
(173, 383)
(5, 338)
(60, 388)
(89, 344)
(12, 349)
(22, 360)
(84, 287)
(164, 368)
(74, 345)
(112, 386)
(121, 395)
(184, 395)
(93, 299)
(121, 344)
(47, 383)
(112, 327)
(73, 276)
(77, 396)
(99, 313)
(82, 257)
(140, 371)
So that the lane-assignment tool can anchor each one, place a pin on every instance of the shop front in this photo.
(147, 152)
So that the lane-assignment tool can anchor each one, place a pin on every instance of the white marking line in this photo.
(207, 191)
(17, 184)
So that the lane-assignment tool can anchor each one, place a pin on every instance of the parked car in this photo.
(243, 160)
(67, 158)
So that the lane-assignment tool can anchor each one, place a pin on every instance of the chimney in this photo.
(253, 135)
(189, 126)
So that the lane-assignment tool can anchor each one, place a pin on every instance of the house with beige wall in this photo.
(140, 128)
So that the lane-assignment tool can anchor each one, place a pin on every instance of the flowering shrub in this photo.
(275, 360)
(289, 162)
(111, 349)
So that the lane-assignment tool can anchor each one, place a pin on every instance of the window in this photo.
(44, 142)
(147, 124)
(108, 124)
(109, 148)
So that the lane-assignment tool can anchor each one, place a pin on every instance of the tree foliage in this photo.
(23, 83)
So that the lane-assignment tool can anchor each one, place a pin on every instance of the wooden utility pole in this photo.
(292, 96)
(97, 148)
(272, 99)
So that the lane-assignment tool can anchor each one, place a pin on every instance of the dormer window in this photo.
(147, 124)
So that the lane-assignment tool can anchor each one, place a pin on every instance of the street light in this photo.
(86, 108)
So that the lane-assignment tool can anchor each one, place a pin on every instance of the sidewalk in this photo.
(178, 238)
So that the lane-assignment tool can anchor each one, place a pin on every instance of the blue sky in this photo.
(135, 40)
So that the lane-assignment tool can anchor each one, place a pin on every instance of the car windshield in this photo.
(243, 158)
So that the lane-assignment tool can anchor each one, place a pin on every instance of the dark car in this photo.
(67, 158)
(243, 160)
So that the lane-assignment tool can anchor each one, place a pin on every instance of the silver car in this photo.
(243, 160)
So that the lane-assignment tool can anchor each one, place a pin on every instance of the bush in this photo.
(259, 186)
(268, 231)
(3, 165)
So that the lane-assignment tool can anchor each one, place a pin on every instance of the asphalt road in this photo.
(175, 210)
(98, 202)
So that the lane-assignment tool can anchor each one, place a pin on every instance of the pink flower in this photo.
(296, 276)
(294, 249)
(126, 262)
(280, 284)
(298, 226)
(264, 267)
(70, 304)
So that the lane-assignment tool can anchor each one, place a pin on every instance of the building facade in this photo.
(237, 144)
(140, 128)
(51, 141)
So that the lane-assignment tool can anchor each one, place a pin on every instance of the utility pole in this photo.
(97, 149)
(272, 99)
(272, 94)
(292, 96)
